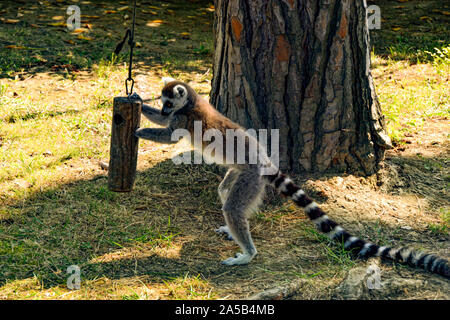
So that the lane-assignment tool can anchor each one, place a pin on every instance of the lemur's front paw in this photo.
(139, 133)
(241, 258)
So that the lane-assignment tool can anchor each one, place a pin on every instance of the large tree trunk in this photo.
(301, 66)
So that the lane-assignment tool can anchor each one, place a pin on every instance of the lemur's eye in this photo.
(169, 104)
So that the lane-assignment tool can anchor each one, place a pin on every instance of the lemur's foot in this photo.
(224, 230)
(241, 258)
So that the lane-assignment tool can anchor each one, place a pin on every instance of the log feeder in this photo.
(124, 144)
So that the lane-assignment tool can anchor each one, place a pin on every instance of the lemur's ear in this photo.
(181, 91)
(166, 80)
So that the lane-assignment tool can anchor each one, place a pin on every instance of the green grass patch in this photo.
(444, 226)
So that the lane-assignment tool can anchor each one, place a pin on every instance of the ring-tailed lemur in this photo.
(242, 188)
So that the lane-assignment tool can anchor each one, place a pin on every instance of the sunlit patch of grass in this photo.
(441, 59)
(38, 138)
(188, 288)
(13, 109)
(60, 139)
(410, 94)
(131, 288)
(106, 67)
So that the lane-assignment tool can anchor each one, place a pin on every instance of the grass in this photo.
(36, 54)
(409, 98)
(336, 253)
(413, 43)
(444, 226)
(158, 242)
(82, 133)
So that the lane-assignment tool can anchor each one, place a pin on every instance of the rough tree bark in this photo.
(301, 66)
(124, 144)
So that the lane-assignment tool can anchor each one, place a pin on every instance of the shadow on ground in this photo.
(35, 38)
(410, 28)
(164, 230)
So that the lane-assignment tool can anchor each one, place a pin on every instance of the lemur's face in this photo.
(174, 97)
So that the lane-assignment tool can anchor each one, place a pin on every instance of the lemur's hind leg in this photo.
(223, 190)
(227, 183)
(243, 198)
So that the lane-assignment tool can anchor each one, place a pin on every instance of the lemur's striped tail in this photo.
(361, 248)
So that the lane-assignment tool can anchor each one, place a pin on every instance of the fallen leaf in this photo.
(396, 28)
(80, 30)
(13, 46)
(122, 8)
(58, 24)
(154, 23)
(69, 41)
(39, 58)
(110, 11)
(89, 17)
(80, 36)
(185, 35)
(426, 18)
(11, 21)
(447, 13)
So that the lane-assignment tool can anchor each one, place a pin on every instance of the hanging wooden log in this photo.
(124, 144)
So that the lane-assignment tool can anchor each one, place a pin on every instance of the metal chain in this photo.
(131, 43)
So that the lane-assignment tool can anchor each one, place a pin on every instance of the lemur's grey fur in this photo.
(242, 188)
